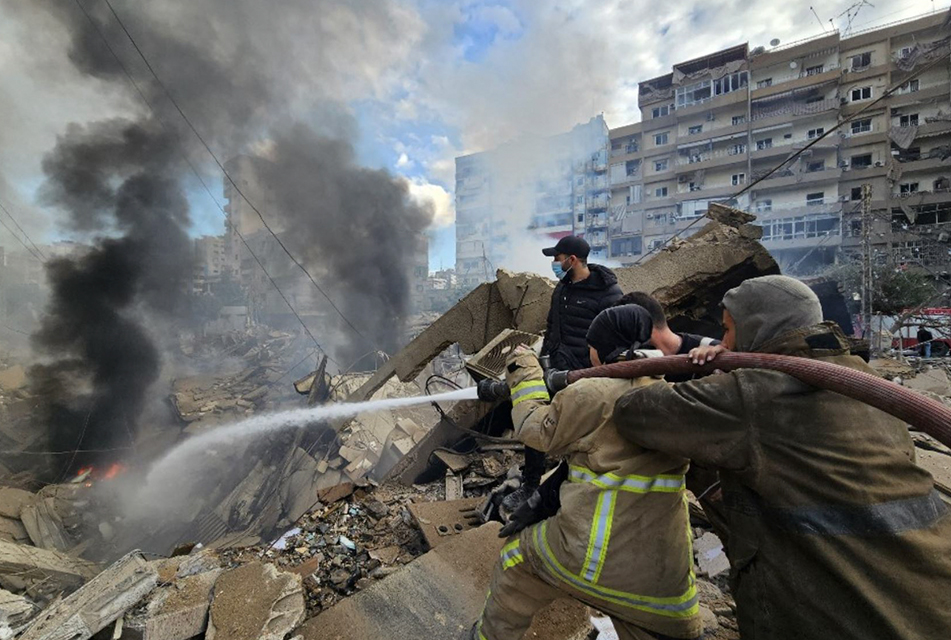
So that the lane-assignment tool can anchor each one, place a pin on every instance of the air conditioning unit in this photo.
(843, 198)
(843, 101)
(879, 164)
(649, 216)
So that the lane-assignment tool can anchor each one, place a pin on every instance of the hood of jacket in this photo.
(601, 278)
(765, 308)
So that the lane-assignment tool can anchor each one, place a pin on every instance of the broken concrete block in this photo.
(28, 565)
(710, 555)
(255, 602)
(438, 596)
(177, 611)
(44, 524)
(933, 380)
(12, 530)
(440, 521)
(12, 501)
(96, 604)
(15, 612)
(528, 295)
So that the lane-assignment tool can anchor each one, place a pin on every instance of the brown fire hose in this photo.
(916, 409)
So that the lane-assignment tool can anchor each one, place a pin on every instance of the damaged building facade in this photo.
(717, 123)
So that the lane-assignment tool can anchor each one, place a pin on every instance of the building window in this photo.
(911, 120)
(816, 166)
(765, 143)
(694, 186)
(737, 149)
(861, 126)
(815, 198)
(862, 161)
(905, 52)
(692, 131)
(909, 87)
(660, 192)
(694, 158)
(738, 120)
(908, 187)
(861, 93)
(660, 165)
(814, 71)
(580, 217)
(815, 133)
(764, 206)
(862, 61)
(660, 139)
(693, 94)
(660, 112)
(762, 84)
(738, 178)
(730, 83)
(856, 193)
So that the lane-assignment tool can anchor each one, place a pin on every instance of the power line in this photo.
(20, 240)
(25, 235)
(201, 180)
(230, 180)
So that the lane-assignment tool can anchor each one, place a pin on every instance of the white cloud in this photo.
(403, 162)
(438, 199)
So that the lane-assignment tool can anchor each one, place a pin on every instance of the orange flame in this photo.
(114, 470)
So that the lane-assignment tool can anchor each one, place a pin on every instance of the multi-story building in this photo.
(553, 186)
(715, 124)
(210, 262)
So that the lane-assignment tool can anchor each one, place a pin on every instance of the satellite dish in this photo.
(774, 42)
(793, 64)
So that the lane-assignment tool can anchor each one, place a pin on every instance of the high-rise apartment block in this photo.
(715, 124)
(553, 186)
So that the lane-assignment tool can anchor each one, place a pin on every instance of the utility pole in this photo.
(867, 263)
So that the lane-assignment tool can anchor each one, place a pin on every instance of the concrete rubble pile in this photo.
(364, 528)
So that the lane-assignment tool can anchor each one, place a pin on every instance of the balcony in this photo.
(783, 110)
(788, 178)
(597, 221)
(799, 80)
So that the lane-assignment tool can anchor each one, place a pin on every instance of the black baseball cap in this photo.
(570, 246)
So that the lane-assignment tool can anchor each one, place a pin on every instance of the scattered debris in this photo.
(711, 556)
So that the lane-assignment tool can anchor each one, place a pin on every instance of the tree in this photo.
(894, 288)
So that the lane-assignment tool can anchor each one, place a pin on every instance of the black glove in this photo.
(527, 513)
(492, 390)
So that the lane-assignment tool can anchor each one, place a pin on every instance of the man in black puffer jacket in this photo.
(583, 291)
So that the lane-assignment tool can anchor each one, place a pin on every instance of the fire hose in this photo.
(918, 410)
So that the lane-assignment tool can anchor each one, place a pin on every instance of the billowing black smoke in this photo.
(120, 177)
(235, 67)
(356, 228)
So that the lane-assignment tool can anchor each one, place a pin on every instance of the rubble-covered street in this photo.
(345, 529)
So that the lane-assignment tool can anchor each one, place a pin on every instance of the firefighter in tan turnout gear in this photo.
(834, 531)
(620, 541)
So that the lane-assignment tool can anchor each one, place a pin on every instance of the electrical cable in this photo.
(25, 235)
(20, 240)
(201, 180)
(230, 180)
(453, 423)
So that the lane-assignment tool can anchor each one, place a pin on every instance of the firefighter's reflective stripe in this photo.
(632, 483)
(529, 390)
(682, 606)
(600, 535)
(479, 634)
(511, 555)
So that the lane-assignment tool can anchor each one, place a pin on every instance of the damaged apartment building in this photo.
(715, 124)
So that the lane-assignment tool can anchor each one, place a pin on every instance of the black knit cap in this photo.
(617, 329)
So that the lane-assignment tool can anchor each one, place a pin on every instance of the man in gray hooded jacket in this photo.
(834, 531)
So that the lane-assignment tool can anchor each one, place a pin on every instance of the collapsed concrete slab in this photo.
(15, 613)
(255, 602)
(440, 521)
(22, 566)
(176, 611)
(690, 277)
(437, 596)
(97, 603)
(514, 301)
